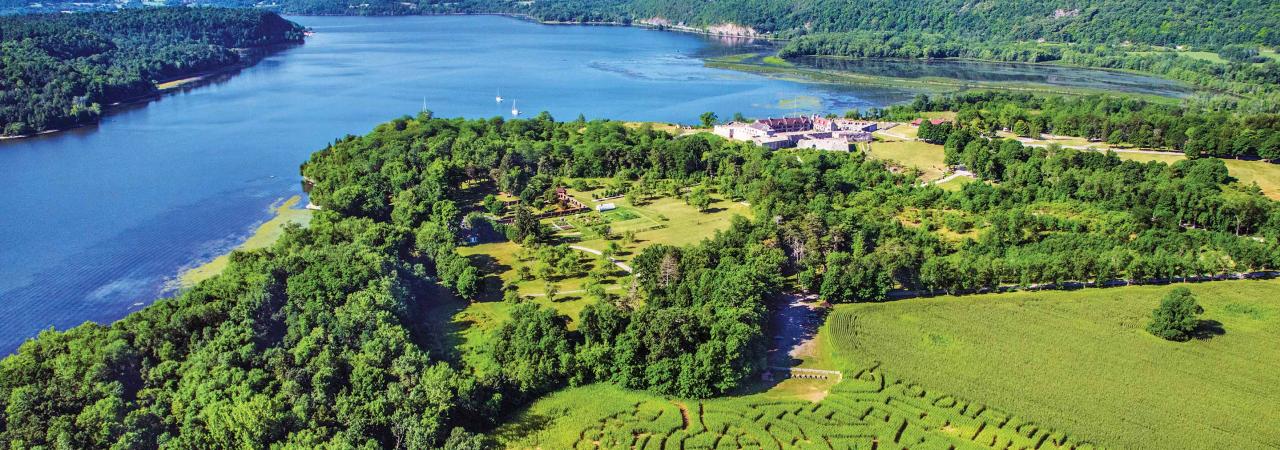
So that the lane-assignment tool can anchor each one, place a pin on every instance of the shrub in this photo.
(1177, 316)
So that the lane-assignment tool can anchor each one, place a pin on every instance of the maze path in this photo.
(866, 411)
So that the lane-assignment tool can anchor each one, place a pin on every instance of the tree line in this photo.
(1119, 121)
(1248, 81)
(61, 69)
(332, 338)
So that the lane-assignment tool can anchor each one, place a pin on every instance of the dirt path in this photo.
(684, 415)
(620, 264)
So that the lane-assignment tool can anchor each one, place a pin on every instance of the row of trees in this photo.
(327, 338)
(61, 69)
(1121, 121)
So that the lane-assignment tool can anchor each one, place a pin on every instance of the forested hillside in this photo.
(1197, 22)
(326, 338)
(61, 70)
(1111, 120)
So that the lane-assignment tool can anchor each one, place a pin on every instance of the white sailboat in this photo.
(514, 111)
(498, 99)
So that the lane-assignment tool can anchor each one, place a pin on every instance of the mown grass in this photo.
(265, 235)
(1081, 361)
(956, 183)
(918, 154)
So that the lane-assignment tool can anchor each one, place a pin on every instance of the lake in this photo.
(96, 222)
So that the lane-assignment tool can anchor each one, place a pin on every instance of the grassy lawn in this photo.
(906, 130)
(956, 183)
(922, 155)
(1081, 362)
(662, 220)
(265, 235)
(1062, 140)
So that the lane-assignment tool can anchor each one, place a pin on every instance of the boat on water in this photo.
(514, 111)
(498, 98)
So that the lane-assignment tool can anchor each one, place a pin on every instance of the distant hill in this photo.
(1191, 22)
(61, 69)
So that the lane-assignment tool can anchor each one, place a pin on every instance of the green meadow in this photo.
(1081, 360)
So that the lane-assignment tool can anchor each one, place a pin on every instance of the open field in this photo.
(661, 220)
(1081, 362)
(263, 236)
(922, 155)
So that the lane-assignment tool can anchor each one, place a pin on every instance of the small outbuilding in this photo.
(606, 207)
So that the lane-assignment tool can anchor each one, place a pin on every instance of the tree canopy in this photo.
(62, 69)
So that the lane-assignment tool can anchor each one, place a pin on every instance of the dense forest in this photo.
(1204, 23)
(325, 339)
(60, 70)
(1211, 23)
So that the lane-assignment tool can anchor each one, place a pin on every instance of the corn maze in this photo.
(866, 411)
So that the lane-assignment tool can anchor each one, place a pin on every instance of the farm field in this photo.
(867, 410)
(1081, 361)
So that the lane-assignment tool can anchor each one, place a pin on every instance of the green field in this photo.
(1081, 362)
(918, 154)
(867, 410)
(263, 236)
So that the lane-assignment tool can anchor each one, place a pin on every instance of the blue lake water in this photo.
(95, 222)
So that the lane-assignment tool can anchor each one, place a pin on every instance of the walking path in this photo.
(616, 262)
(954, 175)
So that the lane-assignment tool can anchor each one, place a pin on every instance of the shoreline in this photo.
(284, 211)
(250, 57)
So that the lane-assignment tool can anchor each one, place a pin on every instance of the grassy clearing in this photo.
(661, 220)
(660, 126)
(922, 155)
(956, 183)
(263, 236)
(1081, 361)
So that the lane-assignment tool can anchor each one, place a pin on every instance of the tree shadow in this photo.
(491, 284)
(1208, 329)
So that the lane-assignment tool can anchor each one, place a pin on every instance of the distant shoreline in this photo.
(249, 57)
